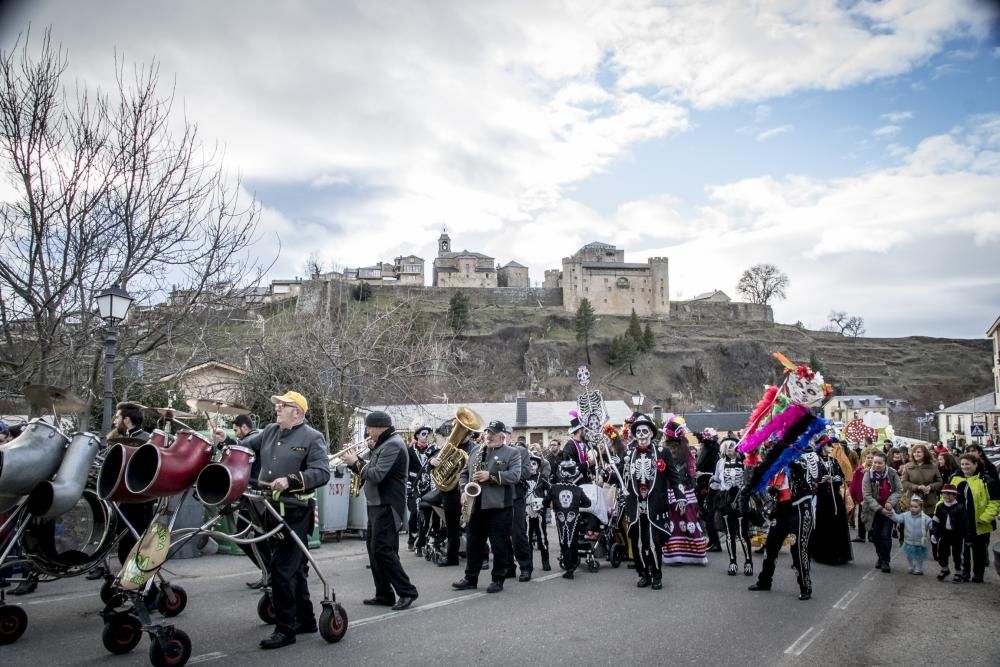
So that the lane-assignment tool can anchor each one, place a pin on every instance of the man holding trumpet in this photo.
(384, 478)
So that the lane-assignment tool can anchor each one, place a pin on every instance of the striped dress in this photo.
(687, 544)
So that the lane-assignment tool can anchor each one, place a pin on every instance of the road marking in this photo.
(871, 574)
(424, 607)
(803, 642)
(62, 598)
(546, 577)
(846, 600)
(206, 657)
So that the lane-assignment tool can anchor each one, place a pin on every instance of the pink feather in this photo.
(777, 426)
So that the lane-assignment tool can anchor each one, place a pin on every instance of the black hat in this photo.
(378, 419)
(496, 426)
(243, 420)
(644, 421)
(568, 470)
(574, 425)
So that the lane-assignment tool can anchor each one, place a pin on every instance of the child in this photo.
(537, 497)
(916, 534)
(567, 499)
(947, 531)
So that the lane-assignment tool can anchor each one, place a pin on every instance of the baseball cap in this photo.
(496, 426)
(293, 398)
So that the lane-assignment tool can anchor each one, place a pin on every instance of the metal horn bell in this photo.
(28, 460)
(55, 497)
(157, 472)
(224, 482)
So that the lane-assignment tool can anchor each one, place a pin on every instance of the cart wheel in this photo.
(333, 623)
(168, 608)
(265, 609)
(13, 623)
(121, 634)
(617, 554)
(175, 653)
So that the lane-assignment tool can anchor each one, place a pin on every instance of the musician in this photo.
(649, 473)
(519, 547)
(451, 502)
(384, 478)
(576, 450)
(426, 492)
(293, 463)
(536, 506)
(128, 424)
(491, 516)
(415, 451)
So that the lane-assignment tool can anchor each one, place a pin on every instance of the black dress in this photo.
(830, 543)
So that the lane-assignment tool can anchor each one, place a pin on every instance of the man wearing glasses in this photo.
(293, 462)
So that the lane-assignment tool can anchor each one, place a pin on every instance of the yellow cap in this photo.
(293, 397)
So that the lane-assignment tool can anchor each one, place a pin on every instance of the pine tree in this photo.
(648, 342)
(634, 330)
(458, 313)
(585, 322)
(628, 351)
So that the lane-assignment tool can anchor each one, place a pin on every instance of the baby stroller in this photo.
(432, 542)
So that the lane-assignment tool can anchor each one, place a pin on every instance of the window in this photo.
(279, 289)
(536, 438)
(623, 283)
(411, 268)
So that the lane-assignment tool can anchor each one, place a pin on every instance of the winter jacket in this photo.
(981, 497)
(874, 498)
(916, 529)
(948, 518)
(919, 475)
(855, 487)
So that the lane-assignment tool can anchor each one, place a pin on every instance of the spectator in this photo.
(856, 491)
(881, 490)
(922, 477)
(986, 466)
(948, 532)
(916, 527)
(896, 459)
(948, 465)
(981, 496)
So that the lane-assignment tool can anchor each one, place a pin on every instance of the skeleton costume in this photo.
(726, 484)
(427, 495)
(648, 475)
(567, 498)
(418, 458)
(537, 497)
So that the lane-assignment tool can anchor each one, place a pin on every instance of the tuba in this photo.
(452, 458)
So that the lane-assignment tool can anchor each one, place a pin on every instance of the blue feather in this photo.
(792, 453)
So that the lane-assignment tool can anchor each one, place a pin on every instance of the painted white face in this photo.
(423, 436)
(534, 467)
(643, 433)
(804, 391)
(583, 375)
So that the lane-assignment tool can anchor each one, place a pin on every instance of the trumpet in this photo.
(359, 449)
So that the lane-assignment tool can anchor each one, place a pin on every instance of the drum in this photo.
(30, 458)
(73, 542)
(159, 438)
(111, 478)
(167, 472)
(224, 482)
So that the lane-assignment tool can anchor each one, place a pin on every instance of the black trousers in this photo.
(492, 524)
(975, 556)
(451, 501)
(538, 537)
(789, 519)
(383, 555)
(288, 570)
(881, 530)
(647, 544)
(737, 530)
(952, 544)
(519, 547)
(263, 548)
(139, 515)
(413, 524)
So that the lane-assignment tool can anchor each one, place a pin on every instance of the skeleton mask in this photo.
(583, 375)
(805, 390)
(643, 433)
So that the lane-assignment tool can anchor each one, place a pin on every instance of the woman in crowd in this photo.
(922, 477)
(980, 494)
(856, 490)
(830, 543)
(948, 465)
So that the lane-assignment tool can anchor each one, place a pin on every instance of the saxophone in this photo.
(452, 458)
(472, 490)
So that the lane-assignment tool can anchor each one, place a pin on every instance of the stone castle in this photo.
(597, 272)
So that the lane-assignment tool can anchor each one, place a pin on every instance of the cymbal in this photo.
(171, 413)
(53, 398)
(216, 407)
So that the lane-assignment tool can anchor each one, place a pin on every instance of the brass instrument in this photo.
(359, 449)
(452, 458)
(472, 490)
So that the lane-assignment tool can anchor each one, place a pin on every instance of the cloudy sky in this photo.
(855, 144)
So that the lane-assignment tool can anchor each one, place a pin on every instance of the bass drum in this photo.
(74, 542)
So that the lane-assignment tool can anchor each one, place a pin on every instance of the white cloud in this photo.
(896, 117)
(774, 132)
(886, 130)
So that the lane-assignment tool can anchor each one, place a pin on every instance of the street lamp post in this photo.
(113, 304)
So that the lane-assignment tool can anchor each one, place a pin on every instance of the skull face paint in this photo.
(423, 437)
(643, 434)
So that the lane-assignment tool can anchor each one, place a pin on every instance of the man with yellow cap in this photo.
(293, 462)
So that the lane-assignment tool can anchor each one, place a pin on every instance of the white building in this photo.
(963, 420)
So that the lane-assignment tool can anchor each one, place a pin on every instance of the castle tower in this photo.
(659, 273)
(444, 243)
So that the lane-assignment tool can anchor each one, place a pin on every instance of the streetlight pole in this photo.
(113, 304)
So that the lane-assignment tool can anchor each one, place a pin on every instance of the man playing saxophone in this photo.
(497, 469)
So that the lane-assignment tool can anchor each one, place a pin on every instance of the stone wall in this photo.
(708, 310)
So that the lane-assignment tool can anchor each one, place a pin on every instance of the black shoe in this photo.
(642, 583)
(943, 574)
(977, 579)
(525, 576)
(805, 595)
(495, 587)
(27, 586)
(510, 573)
(378, 602)
(546, 567)
(485, 565)
(759, 587)
(733, 569)
(886, 568)
(714, 548)
(657, 584)
(95, 573)
(404, 602)
(568, 574)
(277, 640)
(254, 585)
(859, 540)
(464, 585)
(448, 563)
(878, 564)
(307, 628)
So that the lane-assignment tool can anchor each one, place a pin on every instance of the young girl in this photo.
(949, 531)
(916, 534)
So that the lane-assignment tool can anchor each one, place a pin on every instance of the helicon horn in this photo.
(55, 497)
(157, 472)
(224, 482)
(28, 460)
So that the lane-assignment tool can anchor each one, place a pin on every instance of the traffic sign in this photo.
(977, 429)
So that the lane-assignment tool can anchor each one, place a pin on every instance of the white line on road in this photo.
(546, 577)
(62, 598)
(871, 574)
(846, 600)
(206, 657)
(424, 607)
(803, 642)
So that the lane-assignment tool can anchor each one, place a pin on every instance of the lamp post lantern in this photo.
(113, 304)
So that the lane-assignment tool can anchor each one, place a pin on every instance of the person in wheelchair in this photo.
(567, 499)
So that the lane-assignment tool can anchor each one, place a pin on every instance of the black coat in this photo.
(647, 475)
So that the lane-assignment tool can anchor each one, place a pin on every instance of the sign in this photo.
(977, 429)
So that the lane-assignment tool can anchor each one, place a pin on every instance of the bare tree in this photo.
(848, 325)
(762, 283)
(109, 189)
(314, 265)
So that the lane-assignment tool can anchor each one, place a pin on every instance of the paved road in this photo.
(857, 616)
